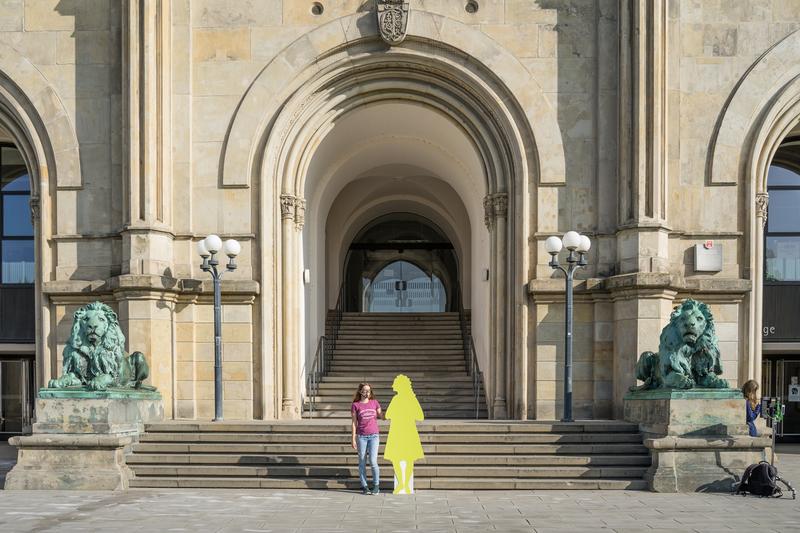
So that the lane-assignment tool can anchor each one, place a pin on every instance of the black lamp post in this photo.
(573, 242)
(208, 249)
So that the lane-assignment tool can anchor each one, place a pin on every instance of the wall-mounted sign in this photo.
(708, 257)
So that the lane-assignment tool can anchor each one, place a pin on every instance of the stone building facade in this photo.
(290, 125)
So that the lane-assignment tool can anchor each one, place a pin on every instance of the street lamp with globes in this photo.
(208, 249)
(573, 242)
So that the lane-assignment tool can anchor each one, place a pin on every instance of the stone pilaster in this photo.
(496, 219)
(292, 216)
(148, 268)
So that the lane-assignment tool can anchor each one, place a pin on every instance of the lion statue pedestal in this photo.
(87, 419)
(692, 422)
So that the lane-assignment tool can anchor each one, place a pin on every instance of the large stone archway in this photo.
(759, 114)
(36, 121)
(452, 71)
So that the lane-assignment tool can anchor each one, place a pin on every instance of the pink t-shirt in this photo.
(366, 416)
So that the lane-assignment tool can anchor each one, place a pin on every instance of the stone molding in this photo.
(730, 149)
(36, 102)
(304, 59)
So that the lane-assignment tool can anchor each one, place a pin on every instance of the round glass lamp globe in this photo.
(202, 250)
(585, 245)
(213, 243)
(232, 248)
(553, 245)
(572, 239)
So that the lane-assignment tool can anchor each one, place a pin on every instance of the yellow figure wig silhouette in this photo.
(402, 444)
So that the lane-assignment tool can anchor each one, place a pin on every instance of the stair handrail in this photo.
(338, 312)
(313, 378)
(470, 354)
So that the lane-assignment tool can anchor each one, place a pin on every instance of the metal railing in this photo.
(318, 369)
(470, 354)
(325, 347)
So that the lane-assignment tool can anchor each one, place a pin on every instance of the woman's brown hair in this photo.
(357, 396)
(749, 389)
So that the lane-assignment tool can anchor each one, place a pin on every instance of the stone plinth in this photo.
(698, 439)
(80, 439)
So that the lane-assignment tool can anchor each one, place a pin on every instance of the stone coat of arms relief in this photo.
(393, 20)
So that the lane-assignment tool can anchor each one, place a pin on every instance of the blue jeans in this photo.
(368, 444)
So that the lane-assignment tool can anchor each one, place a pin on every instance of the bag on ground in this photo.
(760, 479)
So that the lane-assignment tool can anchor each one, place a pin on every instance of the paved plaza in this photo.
(447, 511)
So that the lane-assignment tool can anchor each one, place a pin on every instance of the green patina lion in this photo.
(94, 357)
(688, 353)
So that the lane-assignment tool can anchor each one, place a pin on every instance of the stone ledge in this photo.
(71, 441)
(645, 281)
(125, 283)
(731, 442)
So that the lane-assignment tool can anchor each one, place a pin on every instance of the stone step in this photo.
(358, 375)
(394, 351)
(424, 427)
(394, 336)
(439, 414)
(467, 483)
(426, 438)
(322, 448)
(428, 389)
(352, 459)
(421, 470)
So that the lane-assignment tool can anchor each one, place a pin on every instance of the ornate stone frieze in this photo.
(762, 205)
(393, 20)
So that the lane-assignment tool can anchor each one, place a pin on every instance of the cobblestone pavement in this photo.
(432, 511)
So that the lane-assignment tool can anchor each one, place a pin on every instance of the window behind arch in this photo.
(16, 228)
(782, 247)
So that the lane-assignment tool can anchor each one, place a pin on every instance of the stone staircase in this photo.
(467, 455)
(376, 347)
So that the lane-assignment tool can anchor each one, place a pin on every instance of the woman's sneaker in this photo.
(365, 491)
(376, 489)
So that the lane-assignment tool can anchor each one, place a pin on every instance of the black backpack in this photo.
(760, 479)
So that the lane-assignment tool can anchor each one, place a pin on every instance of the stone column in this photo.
(290, 408)
(500, 236)
(754, 358)
(143, 288)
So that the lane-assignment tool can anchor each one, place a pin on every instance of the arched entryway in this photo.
(401, 263)
(448, 108)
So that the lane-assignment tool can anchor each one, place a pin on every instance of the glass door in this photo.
(788, 390)
(16, 398)
(403, 287)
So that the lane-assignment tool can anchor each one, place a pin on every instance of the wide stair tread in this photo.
(471, 455)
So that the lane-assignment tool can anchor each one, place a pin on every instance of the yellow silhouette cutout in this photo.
(402, 445)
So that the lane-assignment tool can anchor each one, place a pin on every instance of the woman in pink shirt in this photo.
(365, 411)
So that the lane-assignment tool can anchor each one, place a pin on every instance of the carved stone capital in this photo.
(36, 204)
(299, 212)
(500, 204)
(488, 212)
(762, 205)
(287, 206)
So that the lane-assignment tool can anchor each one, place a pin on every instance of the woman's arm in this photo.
(353, 439)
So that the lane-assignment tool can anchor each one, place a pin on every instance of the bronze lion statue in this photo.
(94, 356)
(688, 353)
